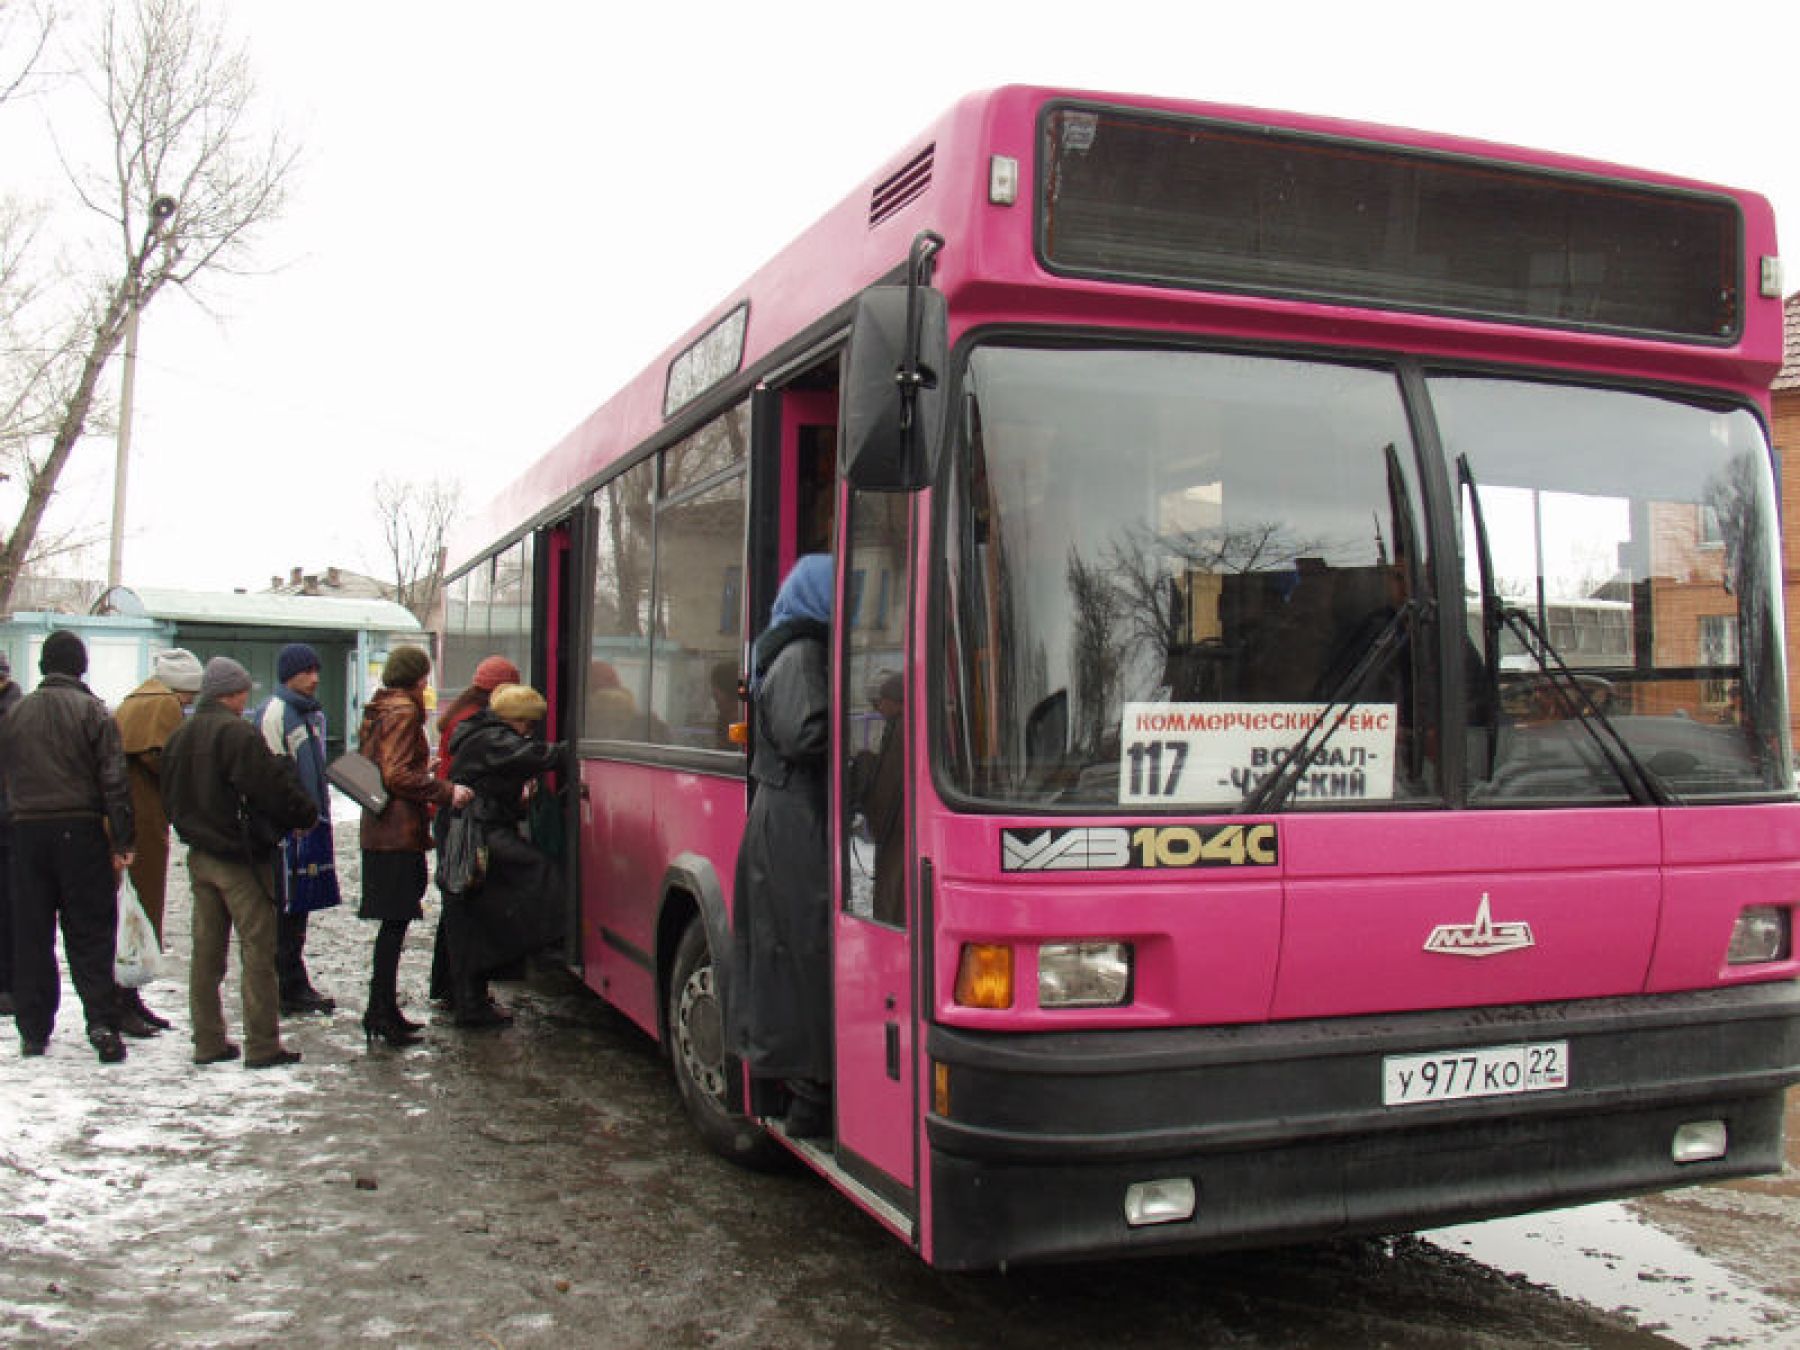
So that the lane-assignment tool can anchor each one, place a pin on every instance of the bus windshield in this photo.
(1198, 531)
(1164, 566)
(1637, 535)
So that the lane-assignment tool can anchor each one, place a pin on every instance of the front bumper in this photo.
(1282, 1131)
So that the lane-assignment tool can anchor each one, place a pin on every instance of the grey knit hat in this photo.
(178, 668)
(223, 678)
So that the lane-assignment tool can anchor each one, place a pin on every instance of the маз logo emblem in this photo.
(1484, 937)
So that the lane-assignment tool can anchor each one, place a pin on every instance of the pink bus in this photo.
(1311, 592)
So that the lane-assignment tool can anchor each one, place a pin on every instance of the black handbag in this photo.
(359, 778)
(462, 865)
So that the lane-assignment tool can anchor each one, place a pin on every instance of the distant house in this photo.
(340, 582)
(55, 595)
(352, 636)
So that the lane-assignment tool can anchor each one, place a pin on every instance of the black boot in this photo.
(130, 1021)
(809, 1113)
(133, 999)
(475, 1010)
(299, 1002)
(384, 1025)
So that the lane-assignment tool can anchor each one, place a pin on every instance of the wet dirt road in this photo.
(539, 1187)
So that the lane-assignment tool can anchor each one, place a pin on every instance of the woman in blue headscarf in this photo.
(780, 990)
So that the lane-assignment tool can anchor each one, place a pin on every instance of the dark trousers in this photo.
(6, 937)
(62, 870)
(290, 955)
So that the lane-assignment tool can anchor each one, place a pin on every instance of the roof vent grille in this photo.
(906, 186)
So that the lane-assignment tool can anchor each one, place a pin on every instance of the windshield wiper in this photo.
(1490, 608)
(1639, 780)
(1279, 783)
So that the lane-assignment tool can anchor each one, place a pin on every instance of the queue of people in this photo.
(88, 797)
(85, 796)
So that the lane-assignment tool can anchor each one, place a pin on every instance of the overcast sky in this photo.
(505, 211)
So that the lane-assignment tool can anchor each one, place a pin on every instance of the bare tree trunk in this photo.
(186, 183)
(41, 478)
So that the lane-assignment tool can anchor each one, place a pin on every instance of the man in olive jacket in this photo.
(230, 800)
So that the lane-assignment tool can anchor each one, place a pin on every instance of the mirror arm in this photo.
(911, 377)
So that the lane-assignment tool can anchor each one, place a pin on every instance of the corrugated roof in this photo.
(298, 612)
(1789, 376)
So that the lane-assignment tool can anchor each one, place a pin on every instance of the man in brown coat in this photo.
(146, 717)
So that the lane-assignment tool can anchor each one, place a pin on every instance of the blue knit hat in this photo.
(294, 659)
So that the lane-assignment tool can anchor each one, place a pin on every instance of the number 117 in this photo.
(1147, 767)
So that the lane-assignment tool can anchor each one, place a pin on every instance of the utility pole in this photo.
(162, 211)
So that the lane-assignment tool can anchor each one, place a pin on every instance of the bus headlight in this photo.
(1084, 974)
(1760, 934)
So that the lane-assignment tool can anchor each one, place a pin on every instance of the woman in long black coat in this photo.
(509, 914)
(780, 989)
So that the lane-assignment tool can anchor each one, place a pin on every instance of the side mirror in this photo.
(893, 420)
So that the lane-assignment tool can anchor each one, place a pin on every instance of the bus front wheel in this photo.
(708, 1078)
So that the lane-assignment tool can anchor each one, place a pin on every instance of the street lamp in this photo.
(162, 211)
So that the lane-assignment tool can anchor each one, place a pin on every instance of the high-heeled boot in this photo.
(386, 1026)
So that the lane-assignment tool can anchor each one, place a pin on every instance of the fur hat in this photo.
(294, 659)
(405, 667)
(517, 703)
(494, 672)
(222, 678)
(63, 654)
(178, 668)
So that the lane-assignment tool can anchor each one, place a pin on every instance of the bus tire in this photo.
(707, 1077)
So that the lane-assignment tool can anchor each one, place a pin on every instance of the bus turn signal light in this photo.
(984, 976)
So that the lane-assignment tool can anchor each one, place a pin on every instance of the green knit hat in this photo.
(405, 667)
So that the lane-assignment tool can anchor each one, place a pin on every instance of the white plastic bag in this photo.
(136, 954)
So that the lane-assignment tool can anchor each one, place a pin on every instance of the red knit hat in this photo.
(495, 671)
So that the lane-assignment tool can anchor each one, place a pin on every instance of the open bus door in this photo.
(872, 943)
(555, 643)
(887, 452)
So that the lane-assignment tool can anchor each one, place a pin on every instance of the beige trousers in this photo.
(227, 896)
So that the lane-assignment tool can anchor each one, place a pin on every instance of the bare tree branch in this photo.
(36, 22)
(176, 98)
(415, 519)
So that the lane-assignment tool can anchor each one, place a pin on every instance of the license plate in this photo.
(1493, 1071)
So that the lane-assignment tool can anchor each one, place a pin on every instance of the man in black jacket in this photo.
(230, 799)
(9, 696)
(71, 822)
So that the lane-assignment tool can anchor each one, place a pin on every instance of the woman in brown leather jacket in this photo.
(395, 842)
